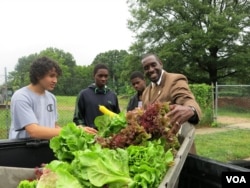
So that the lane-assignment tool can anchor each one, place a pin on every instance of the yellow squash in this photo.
(106, 111)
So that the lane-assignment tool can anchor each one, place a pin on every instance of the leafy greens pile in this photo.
(132, 150)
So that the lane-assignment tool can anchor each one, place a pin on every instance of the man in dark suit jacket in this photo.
(170, 87)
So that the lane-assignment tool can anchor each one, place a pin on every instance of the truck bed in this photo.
(18, 159)
(201, 172)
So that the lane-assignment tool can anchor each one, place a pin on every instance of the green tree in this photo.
(83, 77)
(20, 76)
(132, 63)
(67, 64)
(207, 40)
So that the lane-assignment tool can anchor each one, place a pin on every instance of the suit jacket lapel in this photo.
(158, 90)
(155, 93)
(150, 96)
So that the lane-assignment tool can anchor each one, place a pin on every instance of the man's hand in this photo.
(179, 114)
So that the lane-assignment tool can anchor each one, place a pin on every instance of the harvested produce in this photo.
(132, 150)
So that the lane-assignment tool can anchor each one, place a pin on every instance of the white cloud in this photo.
(83, 28)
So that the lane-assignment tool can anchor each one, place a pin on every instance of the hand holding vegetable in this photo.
(179, 114)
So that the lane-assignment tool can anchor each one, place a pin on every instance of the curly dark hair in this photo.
(41, 66)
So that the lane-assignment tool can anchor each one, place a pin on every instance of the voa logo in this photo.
(236, 179)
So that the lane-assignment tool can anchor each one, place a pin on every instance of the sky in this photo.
(83, 28)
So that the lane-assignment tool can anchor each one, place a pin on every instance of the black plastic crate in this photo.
(27, 153)
(242, 163)
(201, 172)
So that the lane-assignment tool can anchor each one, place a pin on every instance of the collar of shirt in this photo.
(159, 81)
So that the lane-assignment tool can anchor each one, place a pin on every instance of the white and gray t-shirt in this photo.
(28, 107)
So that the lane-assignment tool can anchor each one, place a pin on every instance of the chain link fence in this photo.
(232, 104)
(4, 108)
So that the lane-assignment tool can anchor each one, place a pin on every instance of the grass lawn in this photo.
(224, 146)
(4, 123)
(66, 107)
(234, 112)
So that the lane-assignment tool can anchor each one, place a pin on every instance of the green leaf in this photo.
(70, 139)
(59, 176)
(104, 166)
(149, 163)
(110, 125)
(27, 184)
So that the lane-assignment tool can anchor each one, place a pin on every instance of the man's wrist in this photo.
(193, 119)
(193, 109)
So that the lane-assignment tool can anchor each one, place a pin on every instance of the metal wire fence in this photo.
(232, 101)
(4, 108)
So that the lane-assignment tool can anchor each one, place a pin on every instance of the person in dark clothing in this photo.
(139, 84)
(89, 99)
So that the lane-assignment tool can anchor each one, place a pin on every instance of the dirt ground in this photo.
(228, 122)
(232, 120)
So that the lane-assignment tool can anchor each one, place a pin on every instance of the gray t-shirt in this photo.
(28, 107)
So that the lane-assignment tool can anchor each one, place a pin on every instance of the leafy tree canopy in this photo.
(207, 40)
(20, 76)
(74, 77)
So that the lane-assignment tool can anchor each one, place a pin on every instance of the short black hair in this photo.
(100, 66)
(40, 67)
(137, 74)
(149, 54)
